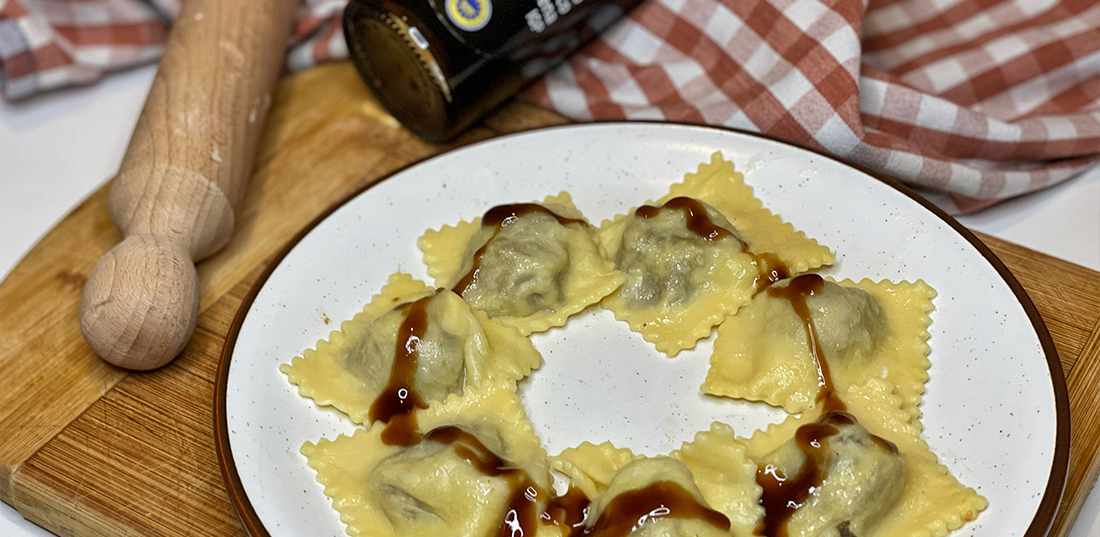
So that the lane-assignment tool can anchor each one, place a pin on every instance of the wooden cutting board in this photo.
(89, 449)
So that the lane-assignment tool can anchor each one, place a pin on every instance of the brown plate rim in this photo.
(1052, 495)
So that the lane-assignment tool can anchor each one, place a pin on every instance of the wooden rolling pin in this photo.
(183, 176)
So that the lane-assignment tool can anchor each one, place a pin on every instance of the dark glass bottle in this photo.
(440, 65)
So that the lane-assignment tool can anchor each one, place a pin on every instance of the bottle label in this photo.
(547, 13)
(469, 15)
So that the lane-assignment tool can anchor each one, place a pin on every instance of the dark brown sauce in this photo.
(662, 499)
(568, 512)
(784, 495)
(796, 293)
(521, 516)
(769, 267)
(396, 405)
(695, 217)
(498, 217)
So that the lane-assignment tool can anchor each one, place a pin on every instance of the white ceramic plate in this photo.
(993, 412)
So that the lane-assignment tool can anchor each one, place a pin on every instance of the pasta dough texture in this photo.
(444, 485)
(695, 256)
(864, 329)
(877, 477)
(461, 348)
(725, 476)
(590, 467)
(530, 266)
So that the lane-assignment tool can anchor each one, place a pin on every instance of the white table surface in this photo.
(58, 148)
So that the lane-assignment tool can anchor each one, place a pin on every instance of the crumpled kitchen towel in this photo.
(970, 101)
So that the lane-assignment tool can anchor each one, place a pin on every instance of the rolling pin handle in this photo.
(150, 282)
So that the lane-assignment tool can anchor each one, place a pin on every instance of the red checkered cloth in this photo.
(970, 101)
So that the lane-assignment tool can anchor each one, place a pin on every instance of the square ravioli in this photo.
(619, 490)
(469, 476)
(863, 329)
(527, 265)
(698, 254)
(868, 471)
(654, 496)
(458, 348)
(725, 475)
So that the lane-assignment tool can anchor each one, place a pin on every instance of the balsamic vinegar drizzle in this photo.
(796, 293)
(633, 508)
(521, 516)
(397, 404)
(568, 512)
(501, 216)
(782, 495)
(695, 217)
(621, 516)
(769, 267)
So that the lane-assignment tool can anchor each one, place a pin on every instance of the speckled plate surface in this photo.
(993, 412)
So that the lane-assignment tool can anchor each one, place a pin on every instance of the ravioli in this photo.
(527, 265)
(725, 476)
(864, 330)
(716, 462)
(467, 477)
(654, 497)
(460, 348)
(841, 478)
(699, 254)
(590, 467)
(865, 489)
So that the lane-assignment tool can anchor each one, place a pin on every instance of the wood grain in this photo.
(1068, 303)
(183, 176)
(1084, 454)
(91, 450)
(49, 375)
